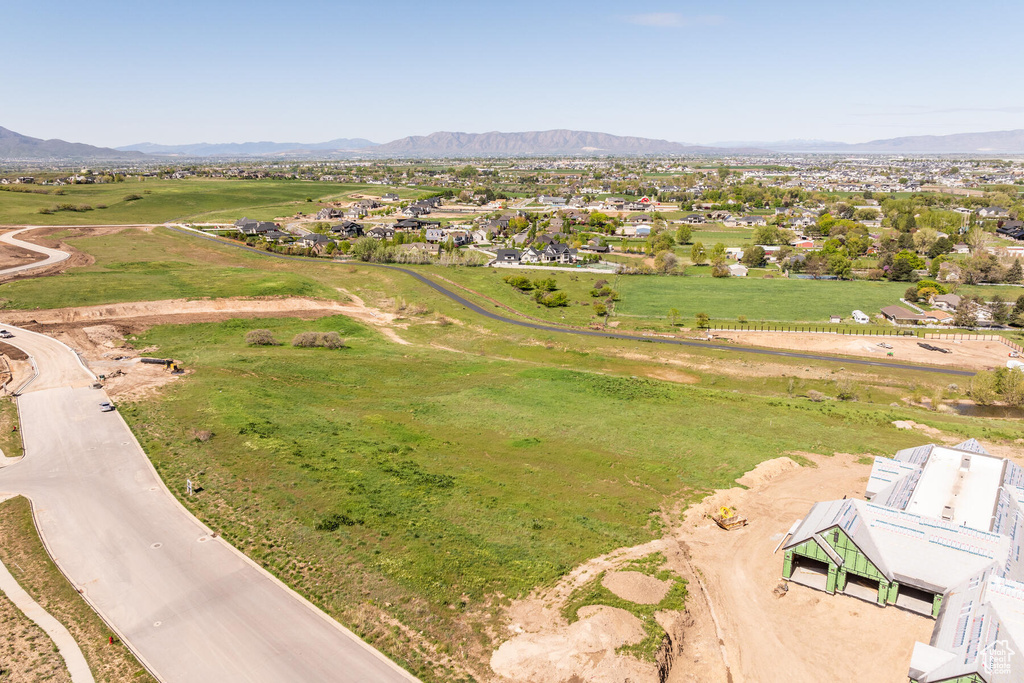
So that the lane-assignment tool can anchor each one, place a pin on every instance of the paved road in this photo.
(189, 605)
(488, 313)
(52, 255)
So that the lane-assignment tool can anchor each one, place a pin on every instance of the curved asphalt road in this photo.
(52, 255)
(476, 308)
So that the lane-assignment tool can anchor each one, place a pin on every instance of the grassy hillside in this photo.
(430, 482)
(197, 199)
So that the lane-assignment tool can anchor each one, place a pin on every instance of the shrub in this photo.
(332, 340)
(815, 396)
(260, 337)
(600, 310)
(520, 282)
(552, 300)
(202, 435)
(132, 197)
(326, 340)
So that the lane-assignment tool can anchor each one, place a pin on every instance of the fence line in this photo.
(854, 332)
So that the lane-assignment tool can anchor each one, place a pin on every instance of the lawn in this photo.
(755, 298)
(424, 484)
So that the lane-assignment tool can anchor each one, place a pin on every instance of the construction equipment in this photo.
(728, 519)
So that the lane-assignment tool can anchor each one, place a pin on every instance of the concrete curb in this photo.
(69, 651)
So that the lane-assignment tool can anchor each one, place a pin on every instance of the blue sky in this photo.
(116, 73)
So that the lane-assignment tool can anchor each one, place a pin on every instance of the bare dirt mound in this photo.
(584, 650)
(636, 587)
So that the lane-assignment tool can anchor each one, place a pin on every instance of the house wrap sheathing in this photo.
(939, 534)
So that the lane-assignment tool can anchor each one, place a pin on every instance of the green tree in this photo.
(983, 388)
(665, 262)
(1015, 273)
(703, 321)
(673, 316)
(683, 234)
(697, 253)
(754, 257)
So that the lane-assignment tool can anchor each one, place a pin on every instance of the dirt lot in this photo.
(739, 572)
(735, 627)
(975, 355)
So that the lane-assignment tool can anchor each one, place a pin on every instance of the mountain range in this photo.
(17, 147)
(237, 149)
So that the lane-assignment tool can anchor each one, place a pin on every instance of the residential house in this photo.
(328, 213)
(381, 232)
(596, 247)
(638, 218)
(315, 241)
(902, 316)
(551, 201)
(694, 218)
(940, 317)
(556, 252)
(993, 212)
(531, 255)
(390, 197)
(347, 229)
(738, 270)
(355, 213)
(751, 221)
(947, 302)
(506, 256)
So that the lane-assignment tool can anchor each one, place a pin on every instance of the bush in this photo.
(132, 197)
(815, 396)
(520, 282)
(600, 310)
(552, 300)
(332, 340)
(326, 340)
(260, 337)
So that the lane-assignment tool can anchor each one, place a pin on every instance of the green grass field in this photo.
(193, 199)
(429, 482)
(134, 265)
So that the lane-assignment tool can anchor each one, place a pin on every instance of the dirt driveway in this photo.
(973, 355)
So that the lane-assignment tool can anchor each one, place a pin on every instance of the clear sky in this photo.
(119, 72)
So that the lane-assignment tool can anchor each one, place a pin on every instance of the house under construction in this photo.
(939, 534)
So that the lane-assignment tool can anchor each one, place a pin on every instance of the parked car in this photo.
(106, 407)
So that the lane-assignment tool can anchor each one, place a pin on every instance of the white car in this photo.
(4, 334)
(106, 407)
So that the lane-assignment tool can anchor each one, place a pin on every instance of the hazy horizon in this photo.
(123, 73)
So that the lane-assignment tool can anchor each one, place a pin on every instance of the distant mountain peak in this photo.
(18, 147)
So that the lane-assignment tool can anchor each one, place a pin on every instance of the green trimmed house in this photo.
(940, 535)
